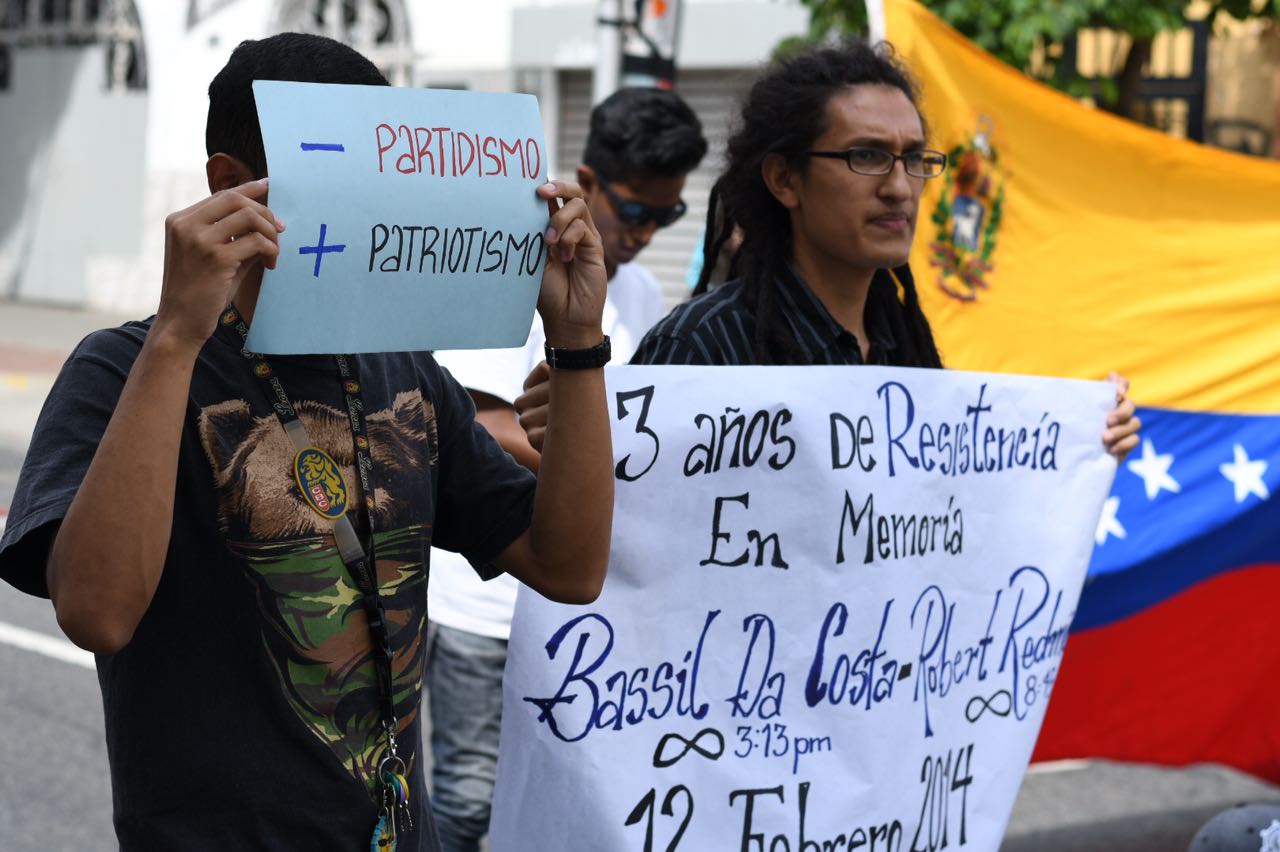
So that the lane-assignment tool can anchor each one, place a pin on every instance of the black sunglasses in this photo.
(637, 214)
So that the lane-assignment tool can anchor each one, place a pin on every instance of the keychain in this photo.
(395, 815)
(399, 786)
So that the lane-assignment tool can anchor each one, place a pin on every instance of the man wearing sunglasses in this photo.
(641, 145)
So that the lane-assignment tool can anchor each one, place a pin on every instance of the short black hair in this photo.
(232, 127)
(643, 133)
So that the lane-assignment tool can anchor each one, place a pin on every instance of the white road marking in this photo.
(50, 646)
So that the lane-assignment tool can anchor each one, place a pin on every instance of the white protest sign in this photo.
(836, 605)
(412, 222)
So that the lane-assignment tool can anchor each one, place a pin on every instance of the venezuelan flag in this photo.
(1064, 241)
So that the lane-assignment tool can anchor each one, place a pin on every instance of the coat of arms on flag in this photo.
(968, 215)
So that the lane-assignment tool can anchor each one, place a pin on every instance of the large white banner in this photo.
(836, 606)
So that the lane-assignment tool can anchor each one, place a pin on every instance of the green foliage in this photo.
(1014, 30)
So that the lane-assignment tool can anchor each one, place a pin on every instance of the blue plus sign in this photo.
(320, 250)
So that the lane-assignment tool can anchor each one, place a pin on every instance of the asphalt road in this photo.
(54, 788)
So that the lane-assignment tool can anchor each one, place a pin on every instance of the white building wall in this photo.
(71, 173)
(181, 62)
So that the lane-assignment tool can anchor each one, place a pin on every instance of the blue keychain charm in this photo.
(384, 839)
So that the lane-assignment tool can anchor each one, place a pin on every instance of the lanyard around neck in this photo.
(317, 474)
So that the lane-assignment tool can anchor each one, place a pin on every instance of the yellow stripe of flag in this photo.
(1070, 242)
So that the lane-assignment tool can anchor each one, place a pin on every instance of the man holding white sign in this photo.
(822, 185)
(861, 633)
(243, 541)
(827, 214)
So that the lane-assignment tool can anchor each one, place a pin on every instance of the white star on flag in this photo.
(1270, 837)
(1154, 470)
(1246, 476)
(1109, 524)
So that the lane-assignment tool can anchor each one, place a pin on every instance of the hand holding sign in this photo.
(573, 284)
(1121, 435)
(208, 249)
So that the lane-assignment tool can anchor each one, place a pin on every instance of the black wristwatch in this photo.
(579, 359)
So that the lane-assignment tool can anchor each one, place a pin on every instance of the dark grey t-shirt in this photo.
(243, 714)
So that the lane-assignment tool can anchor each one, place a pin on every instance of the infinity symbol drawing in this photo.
(662, 761)
(985, 704)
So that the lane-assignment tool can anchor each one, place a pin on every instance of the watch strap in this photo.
(579, 359)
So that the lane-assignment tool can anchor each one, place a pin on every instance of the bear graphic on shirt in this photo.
(316, 632)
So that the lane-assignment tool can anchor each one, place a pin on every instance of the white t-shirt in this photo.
(456, 596)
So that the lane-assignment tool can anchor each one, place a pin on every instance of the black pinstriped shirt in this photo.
(718, 328)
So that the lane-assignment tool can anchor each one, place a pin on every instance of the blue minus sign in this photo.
(322, 146)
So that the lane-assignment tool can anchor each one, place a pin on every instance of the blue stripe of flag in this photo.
(1173, 539)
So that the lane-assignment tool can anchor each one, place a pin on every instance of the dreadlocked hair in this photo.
(716, 234)
(784, 112)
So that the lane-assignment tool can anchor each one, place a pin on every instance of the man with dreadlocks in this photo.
(823, 181)
(822, 184)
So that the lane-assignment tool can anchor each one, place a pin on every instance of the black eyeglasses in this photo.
(637, 214)
(876, 161)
